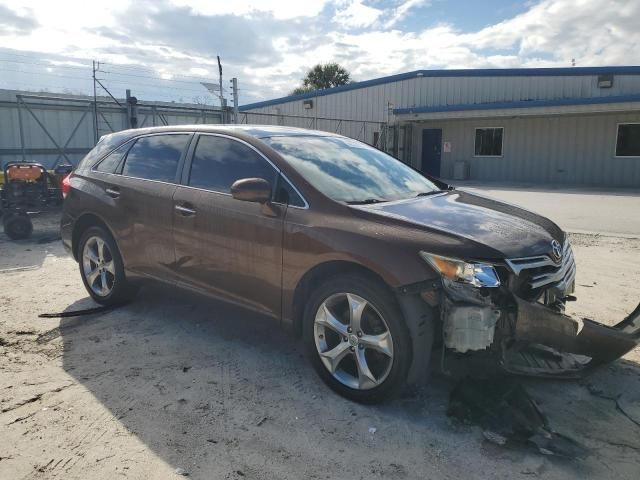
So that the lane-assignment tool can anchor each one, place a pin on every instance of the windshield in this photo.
(350, 171)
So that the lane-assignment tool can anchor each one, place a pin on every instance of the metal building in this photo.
(577, 126)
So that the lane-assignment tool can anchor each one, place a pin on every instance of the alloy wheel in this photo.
(98, 266)
(353, 341)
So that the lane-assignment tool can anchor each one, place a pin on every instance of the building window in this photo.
(489, 142)
(628, 141)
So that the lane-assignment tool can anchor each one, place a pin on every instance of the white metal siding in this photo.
(370, 103)
(575, 149)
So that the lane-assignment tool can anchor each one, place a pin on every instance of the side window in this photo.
(287, 195)
(111, 161)
(218, 162)
(155, 157)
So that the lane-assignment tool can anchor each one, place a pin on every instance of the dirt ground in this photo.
(176, 384)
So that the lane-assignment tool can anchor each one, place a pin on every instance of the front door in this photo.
(431, 151)
(223, 246)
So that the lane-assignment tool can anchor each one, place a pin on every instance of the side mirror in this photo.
(251, 190)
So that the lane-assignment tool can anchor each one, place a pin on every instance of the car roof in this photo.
(257, 131)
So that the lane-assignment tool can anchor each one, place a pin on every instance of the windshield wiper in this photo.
(366, 201)
(426, 194)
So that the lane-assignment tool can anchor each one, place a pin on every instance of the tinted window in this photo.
(155, 157)
(111, 161)
(628, 143)
(488, 142)
(104, 145)
(350, 171)
(287, 195)
(218, 162)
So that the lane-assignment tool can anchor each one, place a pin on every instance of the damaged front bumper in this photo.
(527, 337)
(549, 343)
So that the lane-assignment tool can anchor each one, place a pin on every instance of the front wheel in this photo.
(356, 338)
(101, 267)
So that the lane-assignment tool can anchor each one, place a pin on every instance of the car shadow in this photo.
(215, 390)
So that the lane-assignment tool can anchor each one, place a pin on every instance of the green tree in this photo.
(323, 76)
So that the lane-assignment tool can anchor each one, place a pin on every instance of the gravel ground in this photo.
(176, 384)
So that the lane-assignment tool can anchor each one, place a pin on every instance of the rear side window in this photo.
(104, 145)
(111, 161)
(155, 157)
(218, 162)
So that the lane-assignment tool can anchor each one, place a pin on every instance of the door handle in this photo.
(185, 211)
(112, 192)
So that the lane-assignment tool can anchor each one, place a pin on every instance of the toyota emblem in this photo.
(556, 249)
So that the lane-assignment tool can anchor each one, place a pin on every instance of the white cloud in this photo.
(269, 45)
(591, 31)
(355, 14)
(280, 9)
(402, 10)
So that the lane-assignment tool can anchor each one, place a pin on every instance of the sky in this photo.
(163, 49)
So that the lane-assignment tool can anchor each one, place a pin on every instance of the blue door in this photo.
(431, 151)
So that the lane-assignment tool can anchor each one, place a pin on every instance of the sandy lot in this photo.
(175, 383)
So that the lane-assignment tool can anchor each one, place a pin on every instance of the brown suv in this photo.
(372, 262)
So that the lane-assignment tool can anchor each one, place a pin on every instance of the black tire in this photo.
(382, 300)
(120, 291)
(17, 226)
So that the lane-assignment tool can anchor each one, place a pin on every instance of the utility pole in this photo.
(132, 110)
(234, 89)
(222, 102)
(95, 105)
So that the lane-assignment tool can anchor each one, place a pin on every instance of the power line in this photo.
(49, 65)
(158, 88)
(87, 68)
(44, 73)
(146, 85)
(116, 65)
(155, 78)
(141, 68)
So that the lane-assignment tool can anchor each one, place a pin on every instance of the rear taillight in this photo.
(66, 185)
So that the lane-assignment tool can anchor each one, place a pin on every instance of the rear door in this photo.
(223, 246)
(141, 193)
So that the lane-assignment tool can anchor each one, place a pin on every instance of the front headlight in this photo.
(476, 274)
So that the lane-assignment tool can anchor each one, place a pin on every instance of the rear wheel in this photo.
(356, 339)
(17, 226)
(101, 267)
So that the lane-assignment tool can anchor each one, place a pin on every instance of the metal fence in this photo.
(61, 129)
(394, 139)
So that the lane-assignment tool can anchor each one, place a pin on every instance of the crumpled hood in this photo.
(507, 229)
